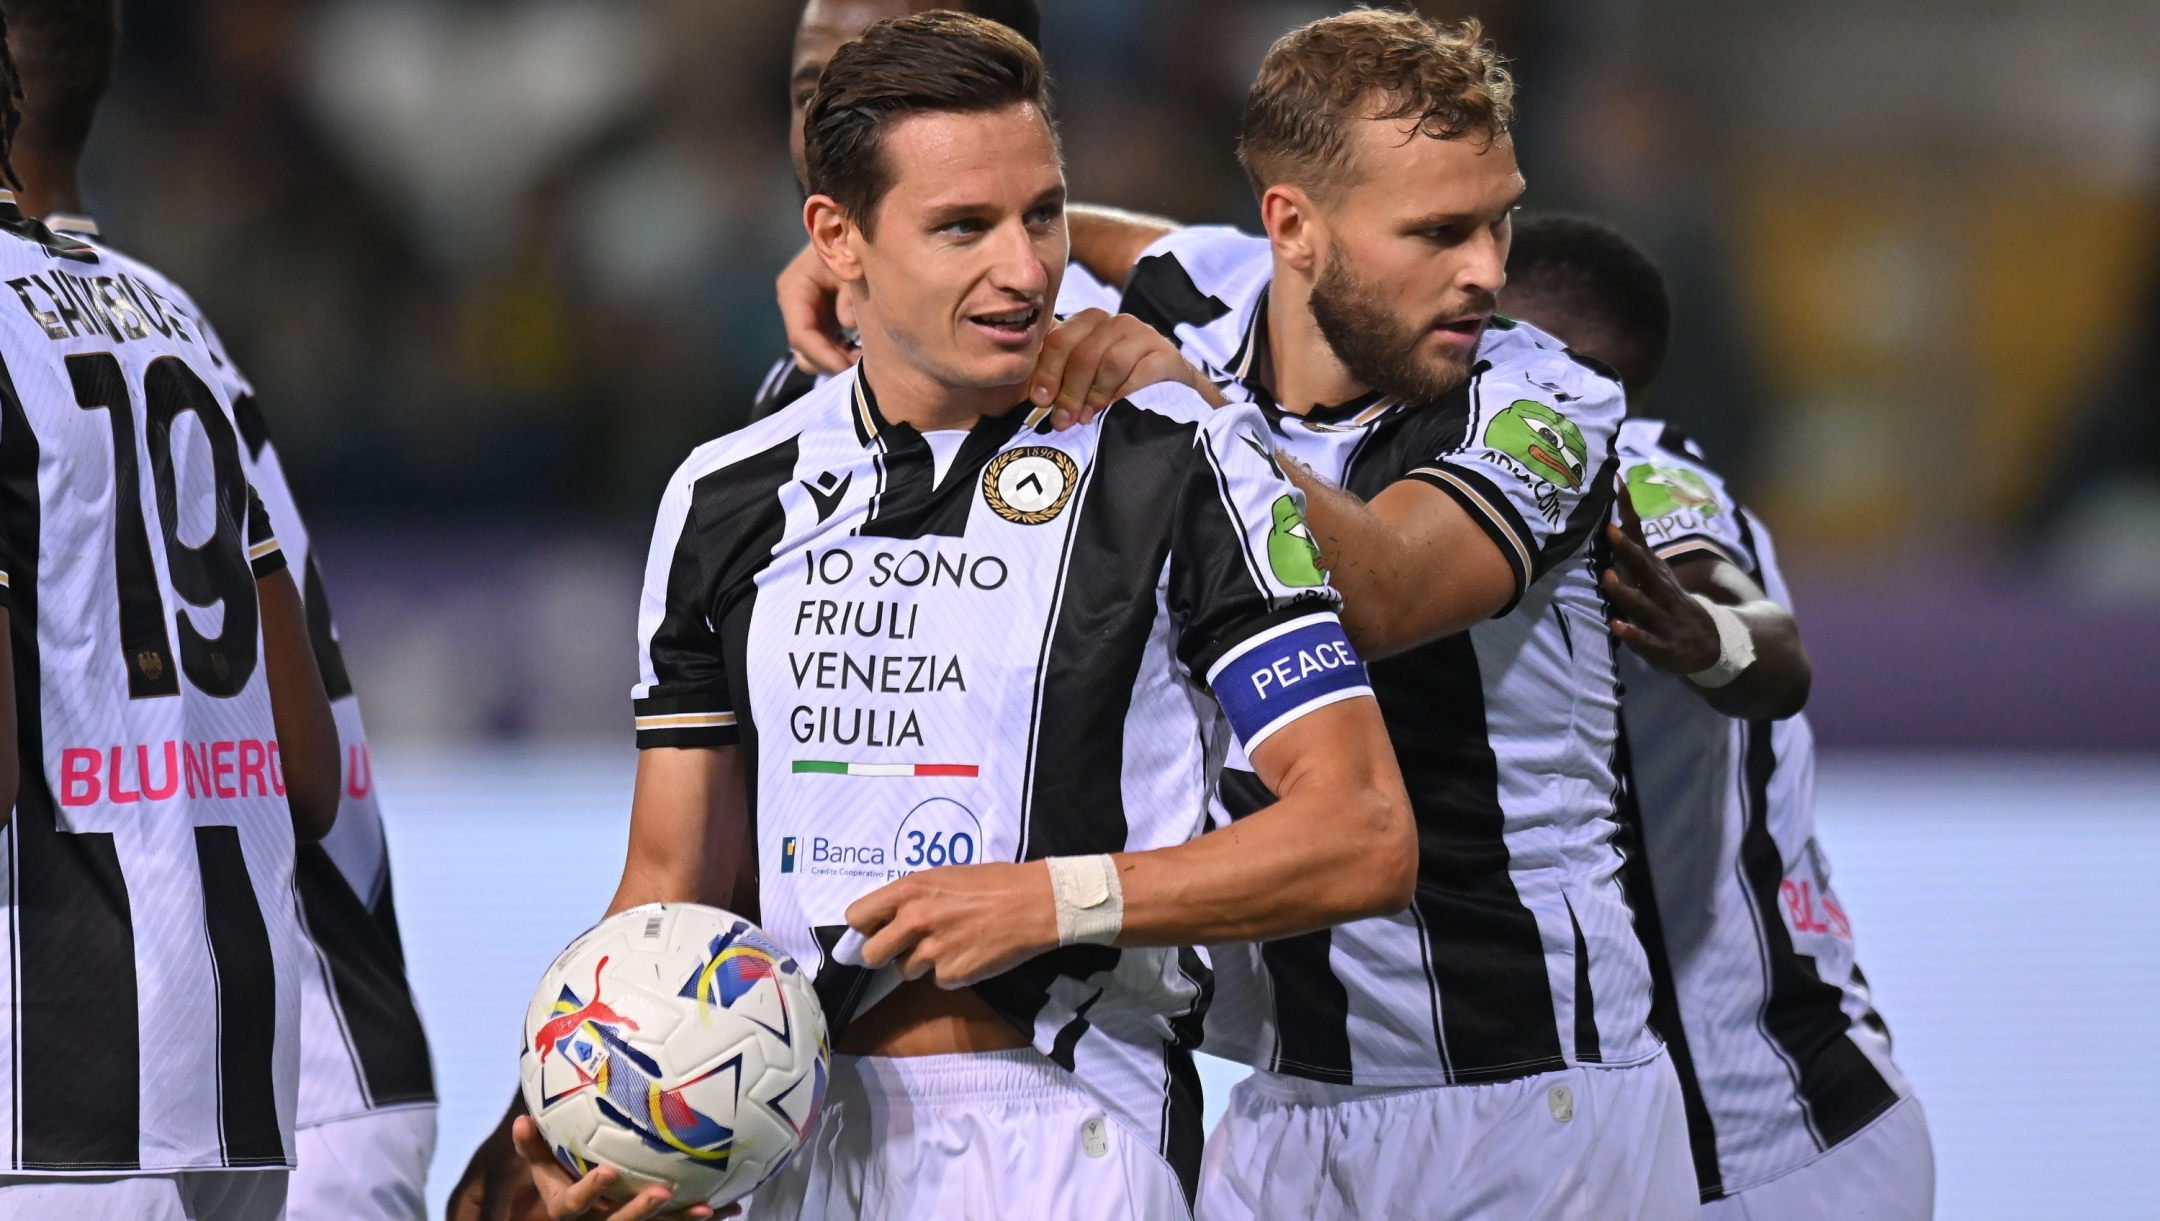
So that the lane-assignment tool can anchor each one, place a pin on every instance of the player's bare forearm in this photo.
(308, 754)
(10, 759)
(815, 314)
(1340, 845)
(1108, 241)
(1776, 685)
(689, 828)
(1411, 565)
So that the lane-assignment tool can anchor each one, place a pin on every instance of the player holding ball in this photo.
(934, 691)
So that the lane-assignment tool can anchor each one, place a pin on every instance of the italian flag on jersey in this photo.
(831, 767)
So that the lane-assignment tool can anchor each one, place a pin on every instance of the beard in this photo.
(1378, 348)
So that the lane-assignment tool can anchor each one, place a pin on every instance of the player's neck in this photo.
(907, 393)
(49, 183)
(1302, 371)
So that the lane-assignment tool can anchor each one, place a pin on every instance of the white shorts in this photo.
(983, 1135)
(370, 1167)
(194, 1195)
(1883, 1172)
(1586, 1142)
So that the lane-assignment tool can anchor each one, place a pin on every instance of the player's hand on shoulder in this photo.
(1093, 359)
(1658, 618)
(959, 923)
(816, 314)
(566, 1197)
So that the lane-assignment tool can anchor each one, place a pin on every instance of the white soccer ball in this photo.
(681, 1046)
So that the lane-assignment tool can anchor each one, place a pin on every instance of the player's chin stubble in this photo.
(1378, 348)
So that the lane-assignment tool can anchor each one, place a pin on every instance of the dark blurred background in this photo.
(495, 266)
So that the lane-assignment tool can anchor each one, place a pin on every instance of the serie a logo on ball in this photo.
(1029, 485)
(681, 1046)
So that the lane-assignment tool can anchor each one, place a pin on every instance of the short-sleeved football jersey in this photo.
(362, 1045)
(1003, 645)
(1780, 1051)
(788, 381)
(1519, 954)
(155, 952)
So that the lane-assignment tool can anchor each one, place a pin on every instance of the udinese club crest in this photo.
(1029, 485)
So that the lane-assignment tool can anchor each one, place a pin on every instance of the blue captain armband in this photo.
(1285, 672)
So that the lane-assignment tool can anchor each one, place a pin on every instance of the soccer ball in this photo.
(679, 1045)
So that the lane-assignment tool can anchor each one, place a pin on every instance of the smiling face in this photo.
(968, 250)
(1415, 250)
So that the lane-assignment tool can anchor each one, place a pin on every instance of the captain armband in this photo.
(1285, 672)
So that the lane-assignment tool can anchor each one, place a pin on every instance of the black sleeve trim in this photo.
(1490, 509)
(264, 554)
(690, 718)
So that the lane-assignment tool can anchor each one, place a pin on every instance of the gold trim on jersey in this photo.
(1522, 549)
(865, 419)
(262, 549)
(687, 720)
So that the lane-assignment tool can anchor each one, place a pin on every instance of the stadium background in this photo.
(495, 265)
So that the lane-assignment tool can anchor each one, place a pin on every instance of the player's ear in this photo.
(834, 235)
(1288, 215)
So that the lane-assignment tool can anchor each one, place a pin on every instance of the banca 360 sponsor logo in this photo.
(939, 831)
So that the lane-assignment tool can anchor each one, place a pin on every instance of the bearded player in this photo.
(1108, 608)
(365, 1124)
(1457, 466)
(1796, 1111)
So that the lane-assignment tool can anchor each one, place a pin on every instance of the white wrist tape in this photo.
(1736, 648)
(1090, 899)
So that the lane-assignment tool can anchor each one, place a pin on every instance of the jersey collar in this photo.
(76, 224)
(870, 423)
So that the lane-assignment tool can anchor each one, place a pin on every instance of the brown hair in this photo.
(1367, 64)
(929, 62)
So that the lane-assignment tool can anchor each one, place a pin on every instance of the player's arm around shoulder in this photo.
(1258, 623)
(1682, 600)
(1460, 537)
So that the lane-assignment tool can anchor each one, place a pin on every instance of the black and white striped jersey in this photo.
(1519, 954)
(155, 952)
(1004, 644)
(788, 381)
(362, 1045)
(1780, 1052)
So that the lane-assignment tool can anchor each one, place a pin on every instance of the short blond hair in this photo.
(1362, 65)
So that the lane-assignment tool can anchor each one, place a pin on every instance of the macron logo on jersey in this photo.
(1283, 673)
